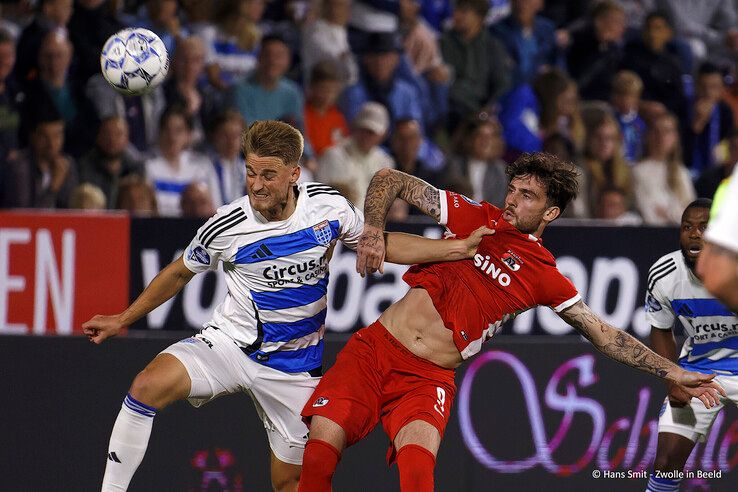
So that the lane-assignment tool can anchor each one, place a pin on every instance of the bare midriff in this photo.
(414, 321)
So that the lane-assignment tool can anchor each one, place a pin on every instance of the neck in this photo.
(526, 22)
(284, 209)
(57, 82)
(471, 33)
(267, 82)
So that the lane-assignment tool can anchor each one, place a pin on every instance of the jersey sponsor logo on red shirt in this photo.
(485, 264)
(321, 402)
(511, 260)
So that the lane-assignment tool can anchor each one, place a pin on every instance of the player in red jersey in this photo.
(400, 369)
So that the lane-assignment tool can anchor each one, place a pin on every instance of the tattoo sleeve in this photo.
(388, 184)
(617, 344)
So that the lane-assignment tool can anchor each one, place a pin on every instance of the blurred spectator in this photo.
(187, 86)
(663, 186)
(558, 100)
(371, 16)
(436, 13)
(604, 164)
(596, 50)
(326, 38)
(711, 120)
(51, 15)
(479, 62)
(710, 179)
(161, 17)
(54, 87)
(10, 99)
(564, 13)
(405, 143)
(9, 24)
(228, 181)
(529, 39)
(198, 15)
(636, 11)
(560, 146)
(87, 196)
(174, 166)
(659, 69)
(379, 81)
(613, 208)
(197, 202)
(325, 125)
(267, 94)
(137, 197)
(351, 164)
(625, 98)
(142, 113)
(41, 176)
(93, 22)
(233, 41)
(112, 158)
(705, 24)
(478, 158)
(420, 43)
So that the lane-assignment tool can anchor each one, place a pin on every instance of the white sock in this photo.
(128, 443)
(662, 484)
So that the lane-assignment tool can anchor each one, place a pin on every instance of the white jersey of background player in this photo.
(675, 292)
(266, 337)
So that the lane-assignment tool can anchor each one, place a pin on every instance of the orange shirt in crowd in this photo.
(324, 130)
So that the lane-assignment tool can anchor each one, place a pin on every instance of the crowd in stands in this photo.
(641, 95)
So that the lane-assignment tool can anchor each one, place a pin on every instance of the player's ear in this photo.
(295, 174)
(551, 213)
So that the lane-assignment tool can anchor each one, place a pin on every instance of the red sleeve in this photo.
(462, 215)
(558, 291)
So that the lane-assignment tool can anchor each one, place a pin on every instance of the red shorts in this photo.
(376, 378)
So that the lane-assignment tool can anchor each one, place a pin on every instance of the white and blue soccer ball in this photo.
(134, 61)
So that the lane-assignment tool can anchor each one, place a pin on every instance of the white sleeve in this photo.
(723, 228)
(658, 310)
(209, 243)
(352, 225)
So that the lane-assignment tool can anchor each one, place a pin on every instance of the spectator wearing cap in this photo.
(529, 39)
(351, 164)
(379, 81)
(478, 60)
(267, 94)
(326, 38)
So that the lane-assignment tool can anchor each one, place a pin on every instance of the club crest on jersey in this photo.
(652, 305)
(323, 233)
(199, 255)
(511, 260)
(321, 402)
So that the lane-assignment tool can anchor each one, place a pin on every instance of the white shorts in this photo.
(694, 421)
(217, 366)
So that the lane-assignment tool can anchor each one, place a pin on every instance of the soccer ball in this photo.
(134, 61)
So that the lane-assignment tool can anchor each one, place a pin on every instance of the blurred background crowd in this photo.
(642, 95)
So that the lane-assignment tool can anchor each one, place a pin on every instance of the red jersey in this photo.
(510, 273)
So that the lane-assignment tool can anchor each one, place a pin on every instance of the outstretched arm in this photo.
(386, 185)
(622, 347)
(663, 343)
(164, 286)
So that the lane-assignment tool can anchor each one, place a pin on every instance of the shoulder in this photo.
(321, 195)
(289, 87)
(665, 268)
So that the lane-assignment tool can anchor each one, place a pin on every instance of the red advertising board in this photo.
(59, 269)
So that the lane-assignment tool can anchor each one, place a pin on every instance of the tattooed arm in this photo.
(622, 347)
(387, 185)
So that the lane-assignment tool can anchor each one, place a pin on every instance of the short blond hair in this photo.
(271, 138)
(87, 196)
(627, 82)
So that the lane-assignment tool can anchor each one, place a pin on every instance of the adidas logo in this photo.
(113, 457)
(262, 252)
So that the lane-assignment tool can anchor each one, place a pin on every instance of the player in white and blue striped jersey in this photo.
(266, 337)
(675, 292)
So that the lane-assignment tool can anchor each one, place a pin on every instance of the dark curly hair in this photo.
(560, 178)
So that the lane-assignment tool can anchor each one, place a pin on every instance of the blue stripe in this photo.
(291, 297)
(693, 308)
(703, 348)
(662, 485)
(170, 186)
(292, 360)
(285, 245)
(283, 332)
(228, 48)
(709, 366)
(139, 407)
